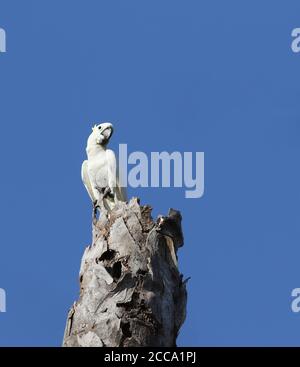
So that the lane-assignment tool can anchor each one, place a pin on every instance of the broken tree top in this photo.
(131, 291)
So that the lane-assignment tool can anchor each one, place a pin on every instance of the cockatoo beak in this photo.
(107, 133)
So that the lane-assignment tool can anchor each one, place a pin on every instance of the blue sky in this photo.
(212, 76)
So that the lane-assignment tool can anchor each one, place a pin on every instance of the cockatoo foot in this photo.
(95, 209)
(108, 192)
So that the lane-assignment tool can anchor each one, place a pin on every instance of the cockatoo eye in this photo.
(99, 127)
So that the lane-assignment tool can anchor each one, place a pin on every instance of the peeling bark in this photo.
(131, 292)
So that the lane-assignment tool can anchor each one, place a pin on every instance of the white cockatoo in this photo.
(99, 172)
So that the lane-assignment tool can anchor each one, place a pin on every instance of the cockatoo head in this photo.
(102, 133)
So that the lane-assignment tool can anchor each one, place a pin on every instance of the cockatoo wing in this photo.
(86, 180)
(114, 176)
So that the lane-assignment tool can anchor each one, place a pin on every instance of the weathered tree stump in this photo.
(131, 292)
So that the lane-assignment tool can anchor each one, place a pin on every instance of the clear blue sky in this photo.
(212, 76)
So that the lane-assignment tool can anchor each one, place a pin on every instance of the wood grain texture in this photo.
(131, 291)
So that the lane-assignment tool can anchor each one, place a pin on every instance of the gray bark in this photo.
(131, 292)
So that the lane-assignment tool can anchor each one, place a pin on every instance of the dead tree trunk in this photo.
(131, 292)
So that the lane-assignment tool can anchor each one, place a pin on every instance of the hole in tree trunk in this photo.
(107, 255)
(125, 327)
(115, 271)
